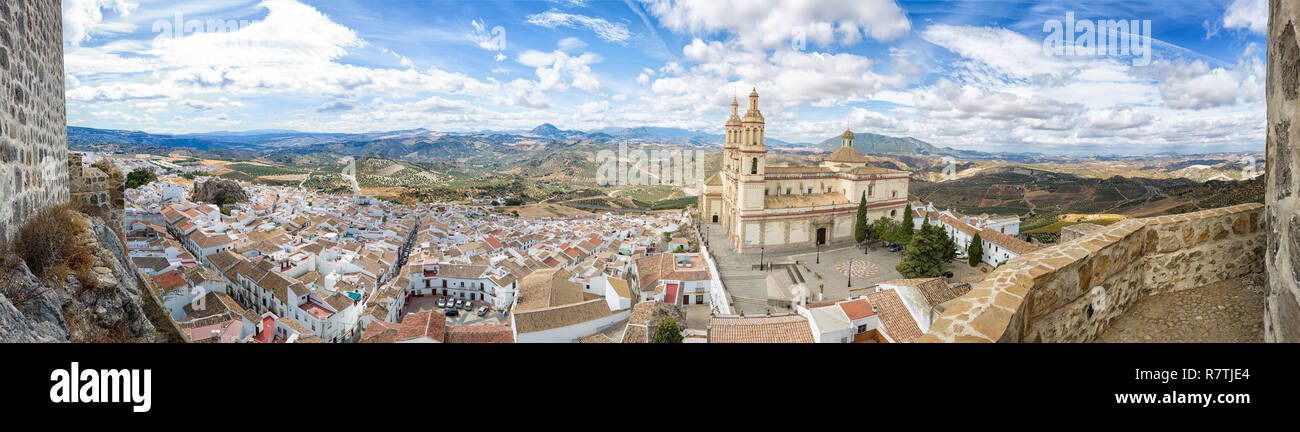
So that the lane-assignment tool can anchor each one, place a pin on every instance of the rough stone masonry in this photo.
(1282, 315)
(33, 131)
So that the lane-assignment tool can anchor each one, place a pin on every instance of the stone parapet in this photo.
(1072, 291)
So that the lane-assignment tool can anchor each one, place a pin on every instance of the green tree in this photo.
(975, 251)
(667, 331)
(927, 253)
(904, 233)
(860, 226)
(139, 177)
(884, 229)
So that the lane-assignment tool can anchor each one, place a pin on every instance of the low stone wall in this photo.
(1071, 292)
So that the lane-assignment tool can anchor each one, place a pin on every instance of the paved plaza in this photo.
(829, 274)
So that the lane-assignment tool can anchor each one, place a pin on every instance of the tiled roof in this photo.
(898, 322)
(547, 288)
(776, 329)
(1008, 242)
(498, 333)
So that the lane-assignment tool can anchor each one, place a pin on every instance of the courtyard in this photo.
(470, 317)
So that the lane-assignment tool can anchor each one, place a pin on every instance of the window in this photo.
(787, 191)
(753, 167)
(871, 190)
(894, 194)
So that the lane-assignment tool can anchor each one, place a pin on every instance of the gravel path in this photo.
(1229, 311)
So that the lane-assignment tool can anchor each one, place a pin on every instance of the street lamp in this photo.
(819, 253)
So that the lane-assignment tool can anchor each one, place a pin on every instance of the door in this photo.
(821, 236)
(715, 218)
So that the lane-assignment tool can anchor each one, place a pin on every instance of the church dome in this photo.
(847, 154)
(847, 134)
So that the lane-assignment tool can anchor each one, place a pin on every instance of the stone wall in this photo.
(99, 187)
(1282, 315)
(1052, 295)
(33, 132)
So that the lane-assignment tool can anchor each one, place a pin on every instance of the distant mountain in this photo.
(869, 143)
(546, 129)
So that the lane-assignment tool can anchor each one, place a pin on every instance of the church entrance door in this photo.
(821, 236)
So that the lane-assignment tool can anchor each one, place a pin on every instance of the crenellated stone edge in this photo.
(995, 310)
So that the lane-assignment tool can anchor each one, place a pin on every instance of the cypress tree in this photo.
(860, 227)
(975, 252)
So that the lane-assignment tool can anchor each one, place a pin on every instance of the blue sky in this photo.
(972, 75)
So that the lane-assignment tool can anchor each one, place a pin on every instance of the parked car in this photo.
(482, 310)
(895, 248)
(468, 306)
(459, 304)
(442, 302)
(452, 312)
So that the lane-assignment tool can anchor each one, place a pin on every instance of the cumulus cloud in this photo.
(558, 70)
(1247, 14)
(1196, 85)
(1119, 117)
(83, 18)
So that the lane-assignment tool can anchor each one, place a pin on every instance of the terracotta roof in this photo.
(560, 316)
(381, 332)
(857, 309)
(959, 225)
(898, 322)
(776, 329)
(547, 288)
(1008, 242)
(494, 333)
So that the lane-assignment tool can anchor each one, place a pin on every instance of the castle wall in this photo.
(1282, 315)
(33, 132)
(1071, 292)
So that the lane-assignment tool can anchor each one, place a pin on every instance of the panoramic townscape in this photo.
(649, 171)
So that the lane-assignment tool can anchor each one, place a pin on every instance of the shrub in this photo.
(668, 332)
(48, 243)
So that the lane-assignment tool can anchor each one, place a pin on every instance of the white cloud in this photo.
(558, 70)
(1247, 14)
(571, 44)
(1119, 117)
(1195, 85)
(83, 18)
(608, 31)
(771, 23)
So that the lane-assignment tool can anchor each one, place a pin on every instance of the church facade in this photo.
(764, 207)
